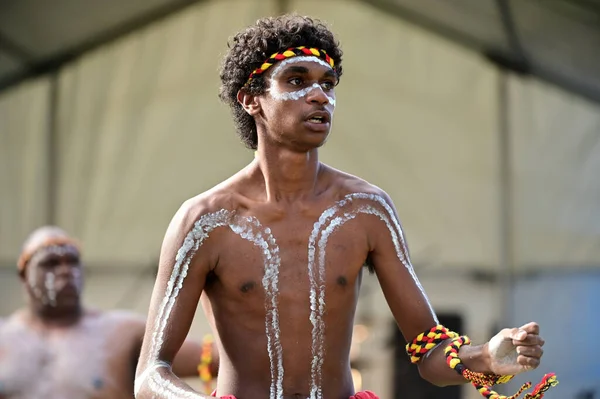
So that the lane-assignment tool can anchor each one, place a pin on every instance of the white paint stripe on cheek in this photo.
(50, 288)
(32, 280)
(76, 273)
(278, 94)
(281, 95)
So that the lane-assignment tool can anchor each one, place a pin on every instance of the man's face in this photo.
(298, 106)
(54, 278)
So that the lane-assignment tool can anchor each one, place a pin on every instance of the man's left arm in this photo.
(511, 351)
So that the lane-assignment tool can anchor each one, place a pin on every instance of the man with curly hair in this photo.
(276, 253)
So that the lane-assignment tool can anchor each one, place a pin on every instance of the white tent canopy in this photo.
(137, 128)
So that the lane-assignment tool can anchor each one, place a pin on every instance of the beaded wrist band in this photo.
(426, 341)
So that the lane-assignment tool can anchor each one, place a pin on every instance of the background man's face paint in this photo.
(32, 281)
(45, 281)
(279, 94)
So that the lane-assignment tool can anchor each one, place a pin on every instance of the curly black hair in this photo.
(251, 47)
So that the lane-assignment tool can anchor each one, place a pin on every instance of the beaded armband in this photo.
(428, 340)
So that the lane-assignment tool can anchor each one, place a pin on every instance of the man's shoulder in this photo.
(125, 319)
(218, 198)
(348, 184)
(3, 323)
(15, 321)
(125, 322)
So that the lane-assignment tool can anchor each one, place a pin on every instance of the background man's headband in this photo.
(26, 255)
(289, 53)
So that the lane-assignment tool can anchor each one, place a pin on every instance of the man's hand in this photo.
(515, 350)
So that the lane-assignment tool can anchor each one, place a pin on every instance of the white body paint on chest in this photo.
(279, 94)
(250, 229)
(70, 365)
(317, 274)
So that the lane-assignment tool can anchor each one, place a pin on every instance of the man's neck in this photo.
(53, 318)
(288, 175)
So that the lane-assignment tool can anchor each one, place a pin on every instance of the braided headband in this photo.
(50, 242)
(428, 340)
(289, 53)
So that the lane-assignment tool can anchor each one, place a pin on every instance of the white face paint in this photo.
(279, 94)
(51, 288)
(293, 60)
(76, 273)
(250, 229)
(32, 281)
(48, 296)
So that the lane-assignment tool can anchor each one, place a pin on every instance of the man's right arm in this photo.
(183, 267)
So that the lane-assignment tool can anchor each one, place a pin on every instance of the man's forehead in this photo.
(55, 250)
(305, 64)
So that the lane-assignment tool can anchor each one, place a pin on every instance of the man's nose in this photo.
(317, 95)
(64, 268)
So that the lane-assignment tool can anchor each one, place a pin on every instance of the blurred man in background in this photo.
(55, 348)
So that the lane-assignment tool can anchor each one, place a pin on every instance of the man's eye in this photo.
(295, 81)
(72, 260)
(327, 85)
(50, 263)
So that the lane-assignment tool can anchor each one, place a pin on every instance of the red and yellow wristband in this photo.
(428, 340)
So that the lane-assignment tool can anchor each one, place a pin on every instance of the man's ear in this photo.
(249, 102)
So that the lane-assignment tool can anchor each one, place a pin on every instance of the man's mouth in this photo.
(66, 285)
(319, 117)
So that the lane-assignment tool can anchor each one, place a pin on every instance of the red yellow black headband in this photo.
(289, 53)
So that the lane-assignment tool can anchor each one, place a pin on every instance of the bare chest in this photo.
(70, 365)
(298, 252)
